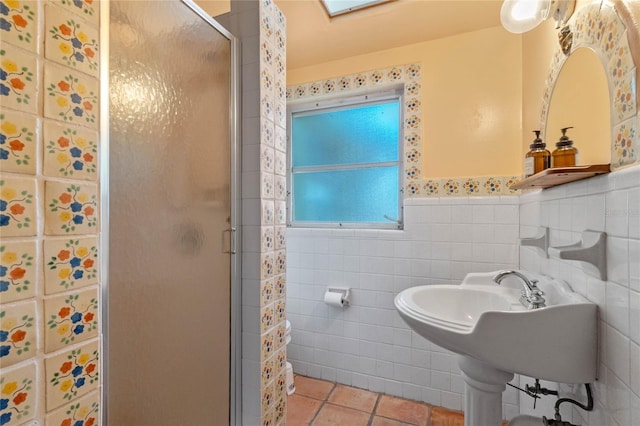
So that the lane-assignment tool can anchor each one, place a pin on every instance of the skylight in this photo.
(340, 7)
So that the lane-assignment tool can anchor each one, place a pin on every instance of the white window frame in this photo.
(335, 103)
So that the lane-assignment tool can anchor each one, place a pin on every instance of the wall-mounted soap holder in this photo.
(540, 241)
(591, 251)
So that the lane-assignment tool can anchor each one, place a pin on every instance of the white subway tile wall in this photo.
(367, 345)
(608, 203)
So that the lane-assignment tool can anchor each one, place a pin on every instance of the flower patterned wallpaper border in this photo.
(599, 28)
(409, 76)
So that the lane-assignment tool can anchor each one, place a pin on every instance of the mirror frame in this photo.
(609, 30)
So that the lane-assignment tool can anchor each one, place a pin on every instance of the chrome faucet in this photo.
(531, 295)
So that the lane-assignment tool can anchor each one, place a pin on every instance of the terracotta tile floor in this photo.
(320, 403)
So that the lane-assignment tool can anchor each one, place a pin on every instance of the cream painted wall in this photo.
(581, 99)
(538, 48)
(214, 7)
(472, 99)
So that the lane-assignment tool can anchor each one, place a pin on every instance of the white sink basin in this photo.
(487, 322)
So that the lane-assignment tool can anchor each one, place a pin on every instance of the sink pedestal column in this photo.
(483, 389)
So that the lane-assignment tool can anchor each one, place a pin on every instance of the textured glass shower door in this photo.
(169, 285)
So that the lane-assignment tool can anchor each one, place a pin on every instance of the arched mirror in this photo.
(581, 99)
(593, 87)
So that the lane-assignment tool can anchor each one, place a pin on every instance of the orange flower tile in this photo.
(21, 24)
(89, 9)
(18, 389)
(86, 409)
(20, 84)
(70, 152)
(70, 96)
(70, 263)
(18, 340)
(70, 209)
(17, 270)
(71, 41)
(18, 211)
(71, 318)
(71, 374)
(19, 133)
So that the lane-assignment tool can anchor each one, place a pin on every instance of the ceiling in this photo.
(313, 37)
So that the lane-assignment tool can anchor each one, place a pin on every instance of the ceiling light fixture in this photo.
(340, 7)
(520, 16)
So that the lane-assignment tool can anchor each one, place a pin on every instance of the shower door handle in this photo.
(229, 240)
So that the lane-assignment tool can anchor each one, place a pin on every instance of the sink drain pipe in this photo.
(534, 391)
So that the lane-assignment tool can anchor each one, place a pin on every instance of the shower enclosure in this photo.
(170, 237)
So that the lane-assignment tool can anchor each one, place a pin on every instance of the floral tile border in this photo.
(18, 334)
(414, 186)
(625, 148)
(18, 395)
(410, 75)
(462, 187)
(18, 142)
(17, 270)
(273, 146)
(598, 27)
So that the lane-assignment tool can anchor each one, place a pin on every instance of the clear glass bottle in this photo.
(565, 154)
(538, 158)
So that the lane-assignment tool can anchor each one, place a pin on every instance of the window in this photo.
(345, 168)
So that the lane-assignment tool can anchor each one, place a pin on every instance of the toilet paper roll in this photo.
(333, 299)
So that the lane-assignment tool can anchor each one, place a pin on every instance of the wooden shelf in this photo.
(557, 176)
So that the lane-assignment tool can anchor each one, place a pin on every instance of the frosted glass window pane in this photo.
(356, 195)
(364, 134)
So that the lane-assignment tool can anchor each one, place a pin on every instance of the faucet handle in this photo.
(535, 290)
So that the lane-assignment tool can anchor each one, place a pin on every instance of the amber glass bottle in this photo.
(565, 155)
(538, 159)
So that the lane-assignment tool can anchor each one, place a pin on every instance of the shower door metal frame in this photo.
(235, 338)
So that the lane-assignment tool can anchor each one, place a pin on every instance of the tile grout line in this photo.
(324, 401)
(375, 407)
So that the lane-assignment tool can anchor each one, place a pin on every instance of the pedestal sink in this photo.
(496, 336)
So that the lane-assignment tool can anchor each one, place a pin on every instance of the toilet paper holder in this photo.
(338, 296)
